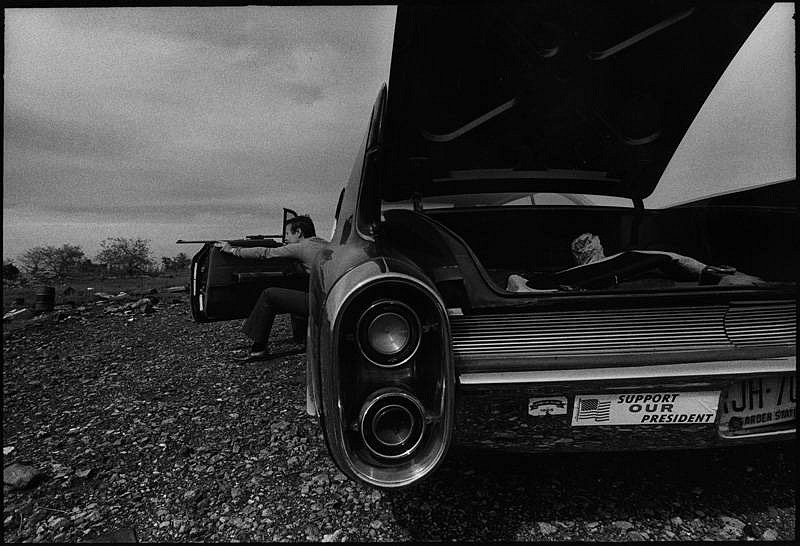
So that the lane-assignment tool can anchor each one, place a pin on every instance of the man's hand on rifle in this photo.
(241, 252)
(225, 246)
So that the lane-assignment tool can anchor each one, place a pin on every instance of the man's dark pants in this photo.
(273, 301)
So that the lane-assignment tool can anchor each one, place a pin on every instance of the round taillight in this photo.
(388, 333)
(392, 423)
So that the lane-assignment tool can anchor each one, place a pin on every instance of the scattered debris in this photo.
(18, 314)
(144, 305)
(106, 296)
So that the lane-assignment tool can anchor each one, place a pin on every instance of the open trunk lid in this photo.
(574, 97)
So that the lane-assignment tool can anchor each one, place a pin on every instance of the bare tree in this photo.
(131, 256)
(32, 260)
(179, 262)
(50, 262)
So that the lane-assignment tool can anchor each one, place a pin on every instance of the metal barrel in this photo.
(45, 298)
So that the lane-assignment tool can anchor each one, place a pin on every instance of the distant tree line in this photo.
(117, 256)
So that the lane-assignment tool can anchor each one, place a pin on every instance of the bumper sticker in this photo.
(651, 408)
(547, 405)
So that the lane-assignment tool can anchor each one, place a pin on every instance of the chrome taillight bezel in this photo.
(350, 379)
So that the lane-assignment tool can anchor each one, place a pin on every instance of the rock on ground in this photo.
(19, 476)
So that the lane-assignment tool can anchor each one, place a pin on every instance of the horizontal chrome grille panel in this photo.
(623, 331)
(749, 325)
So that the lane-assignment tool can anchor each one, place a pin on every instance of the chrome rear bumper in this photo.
(491, 407)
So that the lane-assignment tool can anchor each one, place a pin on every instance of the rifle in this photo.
(249, 237)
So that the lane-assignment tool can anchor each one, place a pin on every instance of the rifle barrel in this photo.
(204, 241)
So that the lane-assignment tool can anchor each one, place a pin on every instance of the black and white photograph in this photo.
(513, 271)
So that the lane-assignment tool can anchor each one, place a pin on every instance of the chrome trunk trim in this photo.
(660, 371)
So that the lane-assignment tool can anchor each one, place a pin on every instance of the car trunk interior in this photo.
(754, 241)
(531, 241)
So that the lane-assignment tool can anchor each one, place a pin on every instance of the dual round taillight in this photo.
(388, 333)
(392, 423)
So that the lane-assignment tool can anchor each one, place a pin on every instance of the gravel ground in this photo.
(143, 425)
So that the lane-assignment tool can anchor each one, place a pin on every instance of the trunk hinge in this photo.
(638, 205)
(419, 176)
(416, 201)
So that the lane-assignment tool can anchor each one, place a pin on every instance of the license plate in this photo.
(758, 402)
(646, 408)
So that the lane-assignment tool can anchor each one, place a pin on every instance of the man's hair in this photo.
(587, 248)
(302, 224)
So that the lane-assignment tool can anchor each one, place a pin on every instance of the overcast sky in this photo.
(169, 123)
(746, 132)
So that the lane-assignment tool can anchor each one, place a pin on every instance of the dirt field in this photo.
(143, 424)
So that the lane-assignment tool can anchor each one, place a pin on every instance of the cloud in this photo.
(38, 133)
(271, 29)
(165, 115)
(167, 212)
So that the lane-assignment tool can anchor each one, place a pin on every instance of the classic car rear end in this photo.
(416, 340)
(506, 132)
(648, 363)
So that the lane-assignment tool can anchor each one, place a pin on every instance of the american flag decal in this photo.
(593, 409)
